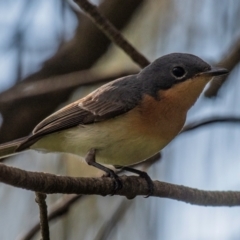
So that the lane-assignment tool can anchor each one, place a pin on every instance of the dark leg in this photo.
(90, 159)
(142, 175)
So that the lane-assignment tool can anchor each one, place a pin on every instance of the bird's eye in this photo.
(178, 72)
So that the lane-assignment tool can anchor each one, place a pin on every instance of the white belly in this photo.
(118, 145)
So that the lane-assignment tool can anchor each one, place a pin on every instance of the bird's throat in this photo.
(184, 95)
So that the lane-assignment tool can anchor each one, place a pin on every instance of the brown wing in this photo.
(106, 102)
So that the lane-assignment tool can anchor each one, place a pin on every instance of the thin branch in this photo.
(57, 210)
(66, 82)
(89, 43)
(132, 186)
(208, 121)
(231, 59)
(40, 200)
(112, 33)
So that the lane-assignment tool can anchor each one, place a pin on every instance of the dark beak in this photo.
(215, 71)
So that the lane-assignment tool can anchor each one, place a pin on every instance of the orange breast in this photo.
(159, 119)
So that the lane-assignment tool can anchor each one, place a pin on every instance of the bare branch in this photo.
(40, 200)
(208, 121)
(57, 210)
(89, 43)
(112, 33)
(63, 83)
(231, 59)
(132, 186)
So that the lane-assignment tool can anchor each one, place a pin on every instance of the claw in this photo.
(145, 176)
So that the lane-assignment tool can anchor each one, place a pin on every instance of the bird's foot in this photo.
(90, 159)
(142, 175)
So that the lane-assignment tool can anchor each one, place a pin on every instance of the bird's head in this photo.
(178, 75)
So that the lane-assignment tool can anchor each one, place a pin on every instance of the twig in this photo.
(230, 61)
(40, 200)
(132, 186)
(28, 90)
(88, 44)
(111, 32)
(58, 209)
(207, 121)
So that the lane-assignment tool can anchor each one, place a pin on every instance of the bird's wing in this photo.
(106, 102)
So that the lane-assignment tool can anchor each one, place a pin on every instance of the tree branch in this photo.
(132, 186)
(208, 121)
(89, 43)
(231, 59)
(57, 210)
(112, 33)
(62, 206)
(40, 200)
(65, 83)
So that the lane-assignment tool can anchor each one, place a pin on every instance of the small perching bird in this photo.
(127, 120)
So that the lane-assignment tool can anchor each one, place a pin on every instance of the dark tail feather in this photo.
(9, 148)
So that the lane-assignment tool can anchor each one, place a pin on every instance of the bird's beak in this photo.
(215, 71)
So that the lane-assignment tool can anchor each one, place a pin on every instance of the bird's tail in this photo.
(9, 148)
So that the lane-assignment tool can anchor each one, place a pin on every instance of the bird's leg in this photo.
(142, 175)
(90, 159)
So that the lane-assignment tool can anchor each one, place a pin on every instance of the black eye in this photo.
(178, 72)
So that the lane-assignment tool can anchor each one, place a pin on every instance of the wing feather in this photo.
(106, 102)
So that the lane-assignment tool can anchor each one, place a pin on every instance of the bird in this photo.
(125, 121)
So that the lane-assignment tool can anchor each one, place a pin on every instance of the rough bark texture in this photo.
(132, 187)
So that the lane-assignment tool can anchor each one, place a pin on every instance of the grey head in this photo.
(175, 68)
